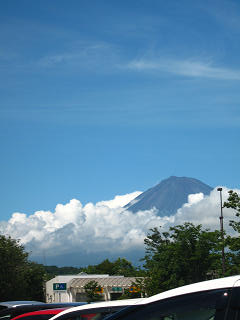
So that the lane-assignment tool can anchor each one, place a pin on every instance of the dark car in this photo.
(217, 299)
(39, 315)
(10, 304)
(9, 313)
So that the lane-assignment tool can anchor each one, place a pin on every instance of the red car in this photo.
(39, 315)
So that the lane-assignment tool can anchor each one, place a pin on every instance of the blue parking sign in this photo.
(59, 286)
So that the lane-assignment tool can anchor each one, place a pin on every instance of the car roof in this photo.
(10, 304)
(38, 312)
(227, 282)
(113, 303)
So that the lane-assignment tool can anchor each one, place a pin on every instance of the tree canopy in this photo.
(233, 202)
(20, 279)
(121, 266)
(184, 255)
(233, 242)
(93, 291)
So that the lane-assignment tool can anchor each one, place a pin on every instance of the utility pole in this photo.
(222, 232)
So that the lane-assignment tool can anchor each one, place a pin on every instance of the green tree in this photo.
(233, 202)
(35, 278)
(184, 255)
(12, 262)
(105, 267)
(92, 288)
(120, 266)
(128, 294)
(123, 267)
(137, 290)
(233, 242)
(53, 271)
(19, 278)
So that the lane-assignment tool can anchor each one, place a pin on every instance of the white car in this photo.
(98, 310)
(217, 299)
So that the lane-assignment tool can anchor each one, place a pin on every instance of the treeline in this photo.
(53, 271)
(182, 255)
(120, 266)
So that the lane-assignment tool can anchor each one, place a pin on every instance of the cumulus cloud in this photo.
(120, 201)
(106, 226)
(206, 210)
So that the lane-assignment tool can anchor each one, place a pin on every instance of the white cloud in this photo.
(189, 68)
(194, 198)
(206, 210)
(120, 201)
(91, 56)
(105, 226)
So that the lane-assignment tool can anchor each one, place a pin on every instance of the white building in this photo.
(70, 288)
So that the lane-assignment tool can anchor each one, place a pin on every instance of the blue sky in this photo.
(103, 98)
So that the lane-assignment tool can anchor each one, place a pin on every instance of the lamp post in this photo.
(222, 232)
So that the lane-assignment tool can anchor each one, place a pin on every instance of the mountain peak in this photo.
(169, 195)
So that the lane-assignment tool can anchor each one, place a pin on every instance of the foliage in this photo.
(105, 267)
(128, 294)
(233, 202)
(12, 262)
(92, 288)
(137, 290)
(19, 278)
(233, 243)
(120, 266)
(184, 255)
(35, 278)
(123, 267)
(53, 271)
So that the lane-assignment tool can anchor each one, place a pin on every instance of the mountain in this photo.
(169, 195)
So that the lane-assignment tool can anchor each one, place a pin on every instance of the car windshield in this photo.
(208, 305)
(93, 314)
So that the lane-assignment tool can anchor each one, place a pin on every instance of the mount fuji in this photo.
(168, 196)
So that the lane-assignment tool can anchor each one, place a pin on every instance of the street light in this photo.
(222, 232)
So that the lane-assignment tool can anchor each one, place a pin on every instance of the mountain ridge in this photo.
(169, 195)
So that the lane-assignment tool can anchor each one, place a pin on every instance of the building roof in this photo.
(111, 281)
